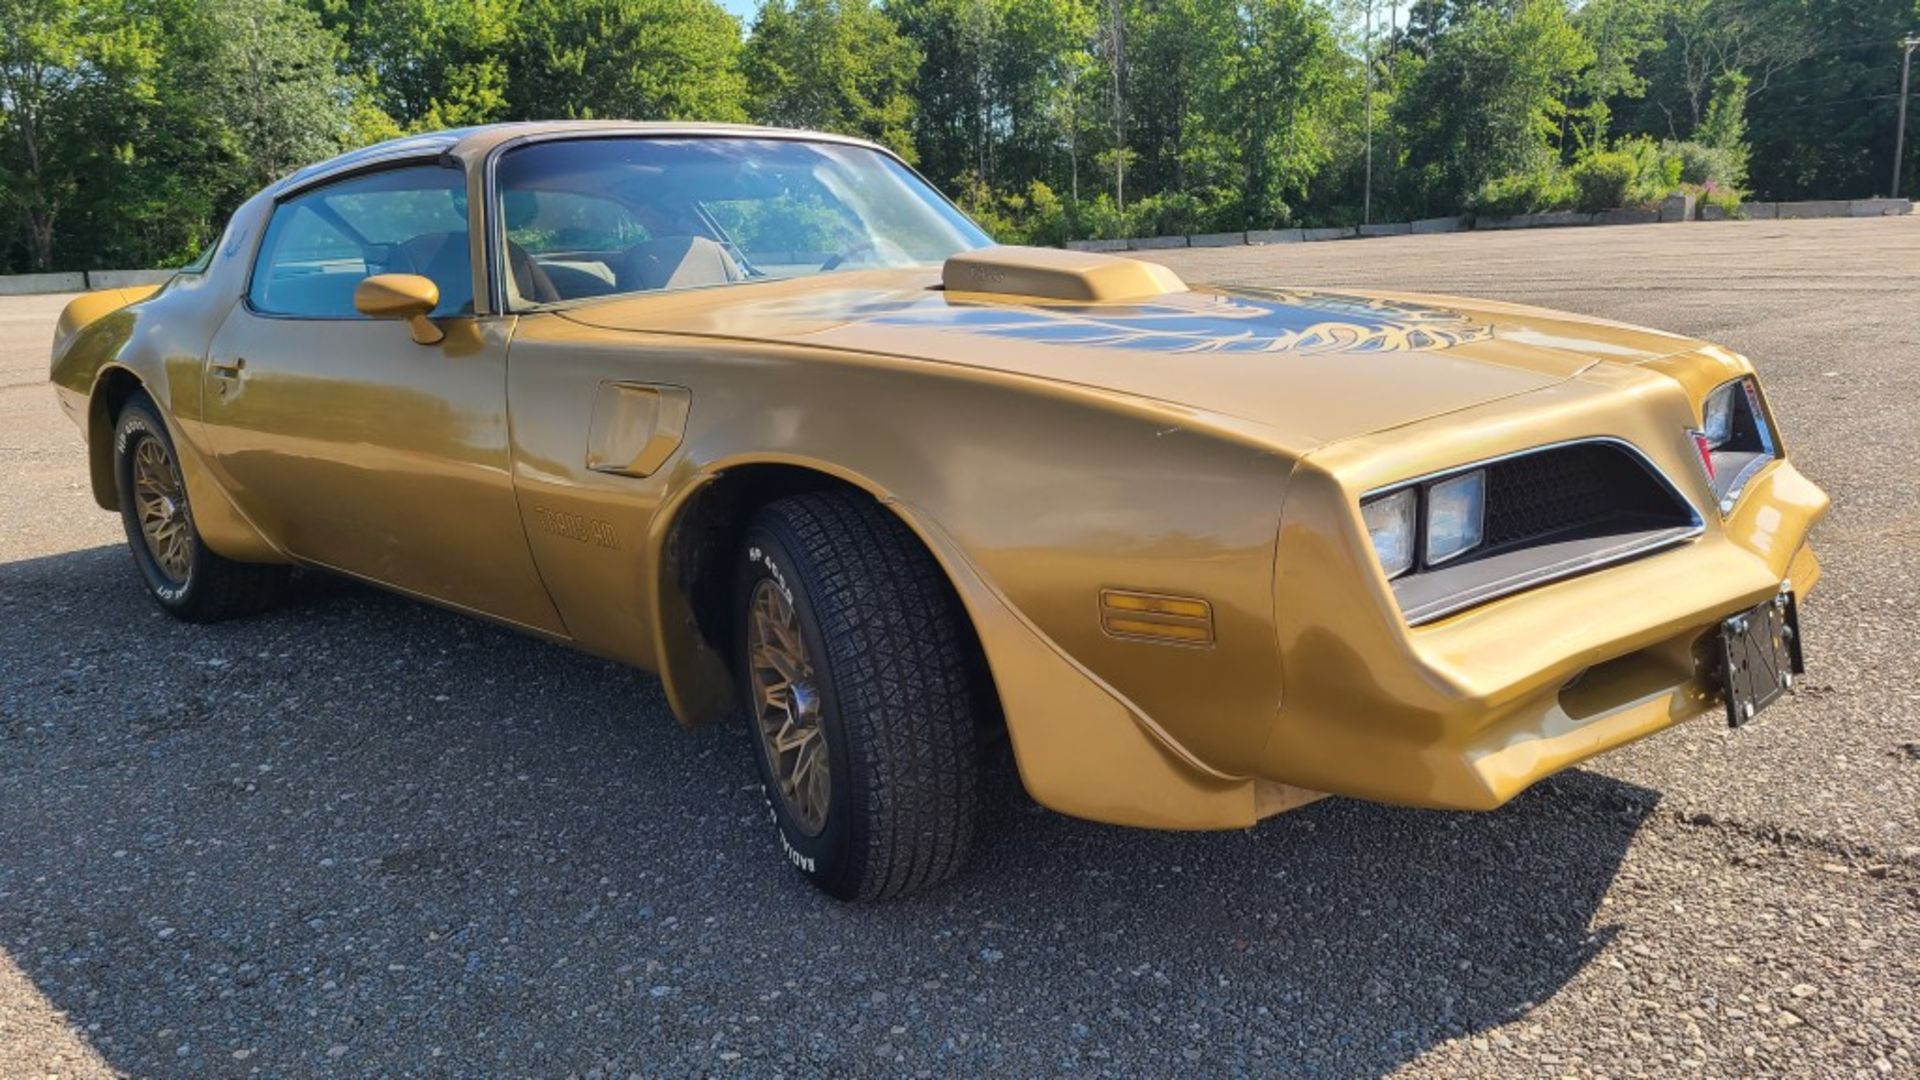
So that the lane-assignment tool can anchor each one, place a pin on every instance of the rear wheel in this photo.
(183, 576)
(863, 695)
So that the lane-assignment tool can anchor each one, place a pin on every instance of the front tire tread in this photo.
(898, 646)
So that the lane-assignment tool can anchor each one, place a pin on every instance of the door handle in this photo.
(232, 370)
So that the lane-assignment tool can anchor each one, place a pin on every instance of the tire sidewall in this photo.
(138, 421)
(826, 859)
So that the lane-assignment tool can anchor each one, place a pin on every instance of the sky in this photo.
(742, 9)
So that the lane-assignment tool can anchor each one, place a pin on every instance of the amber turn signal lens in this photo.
(1179, 620)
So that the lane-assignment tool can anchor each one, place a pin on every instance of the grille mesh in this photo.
(1573, 489)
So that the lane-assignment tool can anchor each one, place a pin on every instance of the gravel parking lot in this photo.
(365, 836)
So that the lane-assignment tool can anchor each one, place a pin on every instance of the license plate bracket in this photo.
(1760, 656)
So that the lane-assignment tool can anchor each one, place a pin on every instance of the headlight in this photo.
(1456, 515)
(1734, 438)
(1389, 521)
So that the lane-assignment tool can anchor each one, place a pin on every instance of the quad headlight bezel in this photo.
(1427, 523)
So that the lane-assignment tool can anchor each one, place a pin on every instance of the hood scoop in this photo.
(1052, 274)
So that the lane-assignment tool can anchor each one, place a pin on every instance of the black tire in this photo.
(900, 694)
(202, 586)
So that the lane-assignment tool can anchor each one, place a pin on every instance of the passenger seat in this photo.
(677, 262)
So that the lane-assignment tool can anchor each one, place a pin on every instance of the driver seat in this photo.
(677, 262)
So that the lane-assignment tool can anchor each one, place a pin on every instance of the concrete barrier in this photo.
(1816, 209)
(1678, 207)
(1274, 236)
(1218, 239)
(1500, 224)
(27, 284)
(1626, 217)
(120, 279)
(1096, 245)
(1549, 220)
(1879, 207)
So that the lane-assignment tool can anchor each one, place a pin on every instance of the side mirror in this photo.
(401, 296)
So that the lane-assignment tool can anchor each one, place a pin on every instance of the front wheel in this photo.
(864, 696)
(183, 575)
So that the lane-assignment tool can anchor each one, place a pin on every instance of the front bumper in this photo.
(1468, 712)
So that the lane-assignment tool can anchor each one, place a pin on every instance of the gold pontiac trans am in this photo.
(762, 412)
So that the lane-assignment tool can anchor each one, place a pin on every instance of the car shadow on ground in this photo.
(360, 833)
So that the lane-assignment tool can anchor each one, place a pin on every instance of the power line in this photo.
(1860, 74)
(1841, 46)
(1828, 104)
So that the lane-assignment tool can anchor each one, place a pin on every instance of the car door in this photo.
(350, 444)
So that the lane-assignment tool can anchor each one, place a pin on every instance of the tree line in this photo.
(129, 129)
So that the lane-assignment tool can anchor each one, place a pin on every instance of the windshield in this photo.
(594, 217)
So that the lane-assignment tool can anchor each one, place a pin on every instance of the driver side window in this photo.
(322, 243)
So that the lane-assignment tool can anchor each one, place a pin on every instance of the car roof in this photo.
(470, 145)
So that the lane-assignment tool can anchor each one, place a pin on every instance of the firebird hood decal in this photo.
(1279, 322)
(1258, 322)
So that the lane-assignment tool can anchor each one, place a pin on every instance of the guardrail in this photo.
(1675, 209)
(78, 281)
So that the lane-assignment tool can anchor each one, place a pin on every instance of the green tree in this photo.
(265, 75)
(986, 89)
(1070, 110)
(1725, 125)
(1622, 33)
(430, 63)
(1281, 109)
(833, 65)
(1490, 100)
(74, 80)
(627, 59)
(245, 91)
(1823, 127)
(1110, 55)
(1705, 39)
(1191, 47)
(956, 89)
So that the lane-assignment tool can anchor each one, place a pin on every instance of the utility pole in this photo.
(1907, 46)
(1366, 48)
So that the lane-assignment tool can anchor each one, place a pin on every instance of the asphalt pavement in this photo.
(364, 836)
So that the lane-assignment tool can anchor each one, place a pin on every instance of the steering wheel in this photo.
(864, 247)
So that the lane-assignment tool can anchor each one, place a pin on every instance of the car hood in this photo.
(1314, 365)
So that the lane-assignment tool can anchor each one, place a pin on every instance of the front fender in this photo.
(1036, 500)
